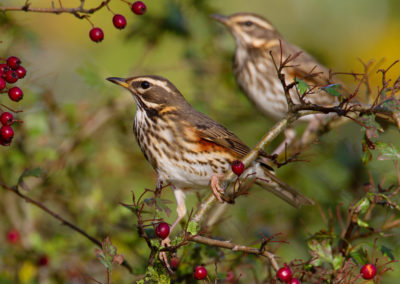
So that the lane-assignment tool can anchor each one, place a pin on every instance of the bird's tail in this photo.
(281, 189)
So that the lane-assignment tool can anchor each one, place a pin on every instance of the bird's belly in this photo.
(187, 174)
(265, 91)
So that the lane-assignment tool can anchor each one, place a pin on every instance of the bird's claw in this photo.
(216, 189)
(163, 254)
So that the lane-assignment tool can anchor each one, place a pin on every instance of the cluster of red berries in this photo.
(119, 21)
(162, 231)
(285, 275)
(10, 72)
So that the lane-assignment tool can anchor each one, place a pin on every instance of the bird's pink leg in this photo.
(216, 189)
(181, 210)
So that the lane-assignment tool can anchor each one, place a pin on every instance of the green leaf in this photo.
(359, 256)
(333, 90)
(302, 86)
(387, 252)
(155, 243)
(337, 261)
(193, 227)
(176, 241)
(370, 126)
(363, 205)
(36, 172)
(387, 151)
(161, 206)
(361, 223)
(391, 105)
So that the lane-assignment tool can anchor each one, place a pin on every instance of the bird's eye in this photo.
(248, 23)
(145, 85)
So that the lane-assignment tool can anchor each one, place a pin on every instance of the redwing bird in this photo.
(188, 149)
(256, 39)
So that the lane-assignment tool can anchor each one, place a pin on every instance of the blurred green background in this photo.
(78, 127)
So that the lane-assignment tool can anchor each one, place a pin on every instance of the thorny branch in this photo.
(138, 209)
(15, 189)
(79, 11)
(343, 110)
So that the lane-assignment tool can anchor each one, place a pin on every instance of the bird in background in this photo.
(255, 71)
(189, 150)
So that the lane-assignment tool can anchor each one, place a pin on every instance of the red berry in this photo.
(368, 271)
(162, 230)
(11, 76)
(3, 83)
(230, 277)
(21, 72)
(6, 118)
(200, 272)
(6, 133)
(13, 62)
(294, 281)
(237, 167)
(3, 69)
(174, 262)
(15, 94)
(284, 274)
(96, 34)
(138, 7)
(13, 236)
(119, 21)
(43, 261)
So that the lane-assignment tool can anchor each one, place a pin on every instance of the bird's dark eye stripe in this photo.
(145, 85)
(247, 23)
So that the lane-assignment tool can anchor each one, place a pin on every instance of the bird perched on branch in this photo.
(258, 45)
(189, 150)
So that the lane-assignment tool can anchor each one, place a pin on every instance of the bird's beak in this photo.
(221, 18)
(119, 81)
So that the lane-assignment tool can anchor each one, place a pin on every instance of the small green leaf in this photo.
(193, 227)
(155, 243)
(333, 90)
(36, 172)
(302, 86)
(363, 205)
(387, 151)
(161, 206)
(361, 223)
(176, 241)
(387, 252)
(392, 105)
(359, 256)
(337, 261)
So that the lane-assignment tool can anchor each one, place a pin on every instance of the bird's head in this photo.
(249, 30)
(153, 93)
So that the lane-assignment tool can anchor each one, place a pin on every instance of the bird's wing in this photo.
(213, 132)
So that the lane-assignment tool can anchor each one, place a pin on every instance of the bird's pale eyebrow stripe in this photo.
(259, 22)
(159, 83)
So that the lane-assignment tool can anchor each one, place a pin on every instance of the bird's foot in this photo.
(216, 189)
(163, 254)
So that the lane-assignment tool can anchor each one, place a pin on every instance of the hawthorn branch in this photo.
(63, 221)
(236, 247)
(79, 12)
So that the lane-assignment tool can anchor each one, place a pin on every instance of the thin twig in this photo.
(15, 190)
(78, 12)
(235, 247)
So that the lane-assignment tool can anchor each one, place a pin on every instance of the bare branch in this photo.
(235, 247)
(78, 12)
(15, 190)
